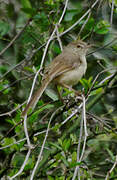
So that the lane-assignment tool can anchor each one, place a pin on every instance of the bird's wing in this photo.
(59, 66)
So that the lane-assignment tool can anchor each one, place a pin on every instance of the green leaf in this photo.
(29, 164)
(60, 141)
(87, 83)
(74, 157)
(89, 24)
(56, 49)
(8, 141)
(3, 69)
(102, 27)
(70, 14)
(35, 114)
(51, 94)
(18, 129)
(63, 158)
(17, 160)
(49, 2)
(66, 144)
(10, 121)
(110, 154)
(55, 145)
(26, 4)
(10, 10)
(28, 69)
(114, 46)
(50, 178)
(75, 164)
(4, 28)
(42, 21)
(97, 91)
(29, 11)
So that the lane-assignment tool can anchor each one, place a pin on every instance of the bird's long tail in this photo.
(37, 95)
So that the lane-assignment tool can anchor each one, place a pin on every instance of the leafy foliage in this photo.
(18, 64)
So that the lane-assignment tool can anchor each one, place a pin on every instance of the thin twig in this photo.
(110, 171)
(26, 59)
(12, 111)
(58, 38)
(21, 140)
(112, 8)
(85, 129)
(26, 133)
(93, 83)
(17, 36)
(79, 158)
(78, 151)
(42, 148)
(84, 24)
(99, 119)
(23, 78)
(84, 115)
(105, 79)
(23, 165)
(102, 47)
(77, 22)
(14, 67)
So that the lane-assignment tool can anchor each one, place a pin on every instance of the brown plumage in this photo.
(66, 70)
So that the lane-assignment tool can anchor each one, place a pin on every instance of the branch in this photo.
(77, 22)
(16, 37)
(110, 171)
(112, 8)
(23, 165)
(75, 125)
(42, 148)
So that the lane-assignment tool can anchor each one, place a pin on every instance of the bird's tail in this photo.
(37, 95)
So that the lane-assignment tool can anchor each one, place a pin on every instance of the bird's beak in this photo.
(91, 45)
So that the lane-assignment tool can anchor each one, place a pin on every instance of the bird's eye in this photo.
(78, 46)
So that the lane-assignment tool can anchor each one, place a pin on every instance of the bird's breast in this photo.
(72, 77)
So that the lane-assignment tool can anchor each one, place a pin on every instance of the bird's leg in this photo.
(59, 94)
(77, 93)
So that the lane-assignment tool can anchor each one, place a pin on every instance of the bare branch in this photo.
(79, 158)
(112, 8)
(84, 24)
(78, 151)
(110, 171)
(15, 109)
(58, 38)
(21, 140)
(23, 165)
(100, 48)
(17, 36)
(26, 133)
(41, 151)
(94, 81)
(77, 22)
(23, 78)
(26, 59)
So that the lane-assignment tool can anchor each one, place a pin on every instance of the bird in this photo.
(65, 70)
